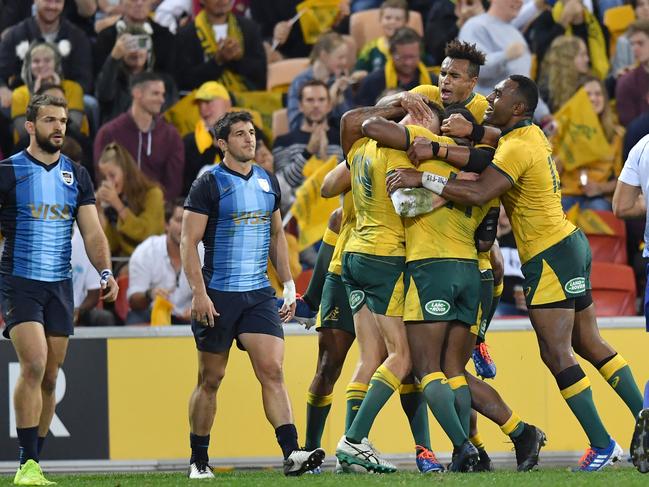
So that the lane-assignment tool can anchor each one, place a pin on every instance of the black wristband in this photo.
(477, 133)
(435, 147)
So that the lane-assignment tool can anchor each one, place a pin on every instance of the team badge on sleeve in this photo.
(68, 177)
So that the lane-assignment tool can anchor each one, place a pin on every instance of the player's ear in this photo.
(221, 144)
(30, 128)
(519, 108)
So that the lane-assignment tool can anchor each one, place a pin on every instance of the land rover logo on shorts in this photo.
(437, 307)
(575, 285)
(356, 297)
(67, 177)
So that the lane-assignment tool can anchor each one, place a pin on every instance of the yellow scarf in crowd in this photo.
(596, 42)
(392, 80)
(317, 17)
(232, 81)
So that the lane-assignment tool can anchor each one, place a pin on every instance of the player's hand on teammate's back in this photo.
(403, 178)
(109, 289)
(203, 310)
(421, 149)
(457, 126)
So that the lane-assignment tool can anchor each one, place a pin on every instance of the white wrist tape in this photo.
(289, 292)
(433, 182)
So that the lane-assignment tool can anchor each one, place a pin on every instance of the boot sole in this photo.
(315, 460)
(345, 458)
(640, 442)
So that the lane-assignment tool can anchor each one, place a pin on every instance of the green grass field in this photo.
(626, 477)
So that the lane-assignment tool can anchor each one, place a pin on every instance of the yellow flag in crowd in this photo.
(580, 138)
(312, 210)
(317, 17)
(161, 312)
(589, 221)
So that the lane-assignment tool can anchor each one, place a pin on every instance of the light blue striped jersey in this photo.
(237, 235)
(38, 205)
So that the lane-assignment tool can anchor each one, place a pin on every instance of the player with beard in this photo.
(234, 209)
(315, 137)
(42, 192)
(555, 254)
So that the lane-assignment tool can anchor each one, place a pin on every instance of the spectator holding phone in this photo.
(137, 12)
(131, 54)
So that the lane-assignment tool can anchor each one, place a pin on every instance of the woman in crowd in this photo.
(592, 185)
(41, 67)
(329, 63)
(131, 206)
(565, 66)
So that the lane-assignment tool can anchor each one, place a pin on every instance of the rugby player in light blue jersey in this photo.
(42, 192)
(234, 209)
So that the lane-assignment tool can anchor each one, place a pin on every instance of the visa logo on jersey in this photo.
(251, 217)
(51, 212)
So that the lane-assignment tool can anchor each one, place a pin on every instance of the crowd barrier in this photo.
(123, 392)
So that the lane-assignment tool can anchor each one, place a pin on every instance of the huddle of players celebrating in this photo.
(410, 273)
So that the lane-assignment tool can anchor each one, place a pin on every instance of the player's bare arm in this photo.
(194, 224)
(490, 184)
(97, 249)
(472, 159)
(337, 181)
(458, 126)
(278, 253)
(628, 201)
(352, 121)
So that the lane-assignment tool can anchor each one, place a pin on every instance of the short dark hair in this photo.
(39, 101)
(400, 4)
(49, 86)
(170, 207)
(641, 25)
(460, 109)
(404, 35)
(464, 50)
(144, 77)
(312, 82)
(225, 123)
(437, 109)
(528, 91)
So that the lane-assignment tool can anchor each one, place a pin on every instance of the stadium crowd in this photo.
(147, 83)
(146, 80)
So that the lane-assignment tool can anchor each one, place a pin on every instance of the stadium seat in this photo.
(614, 291)
(280, 122)
(121, 303)
(281, 73)
(302, 281)
(606, 246)
(616, 20)
(364, 26)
